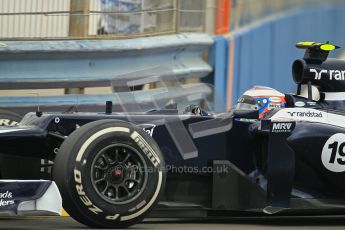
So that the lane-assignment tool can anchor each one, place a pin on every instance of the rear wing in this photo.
(316, 50)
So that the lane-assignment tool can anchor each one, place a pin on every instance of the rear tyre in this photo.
(110, 174)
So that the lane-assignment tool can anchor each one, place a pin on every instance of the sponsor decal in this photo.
(275, 99)
(273, 106)
(337, 75)
(306, 114)
(310, 115)
(245, 120)
(148, 128)
(7, 122)
(299, 104)
(311, 103)
(6, 199)
(282, 127)
(333, 153)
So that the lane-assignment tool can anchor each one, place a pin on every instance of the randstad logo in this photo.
(306, 114)
(333, 74)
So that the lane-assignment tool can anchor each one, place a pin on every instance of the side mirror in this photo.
(247, 114)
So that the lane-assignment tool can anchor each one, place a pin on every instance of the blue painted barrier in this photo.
(264, 51)
(220, 48)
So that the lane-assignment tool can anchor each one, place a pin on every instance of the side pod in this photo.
(233, 190)
(280, 166)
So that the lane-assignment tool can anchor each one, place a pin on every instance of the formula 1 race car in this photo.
(273, 154)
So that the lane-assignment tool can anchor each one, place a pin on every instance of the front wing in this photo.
(29, 198)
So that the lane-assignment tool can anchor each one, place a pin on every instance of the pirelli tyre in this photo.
(110, 174)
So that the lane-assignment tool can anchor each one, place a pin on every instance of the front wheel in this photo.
(110, 174)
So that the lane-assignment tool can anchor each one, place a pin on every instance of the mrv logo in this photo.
(285, 127)
(333, 74)
(6, 199)
(305, 114)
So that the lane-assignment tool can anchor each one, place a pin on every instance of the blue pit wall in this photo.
(262, 53)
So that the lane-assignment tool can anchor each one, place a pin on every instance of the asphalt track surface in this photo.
(67, 223)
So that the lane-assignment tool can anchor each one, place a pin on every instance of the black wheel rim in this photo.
(118, 174)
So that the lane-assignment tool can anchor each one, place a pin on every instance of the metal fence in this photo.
(71, 19)
(28, 19)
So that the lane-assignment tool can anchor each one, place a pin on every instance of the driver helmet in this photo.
(261, 98)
